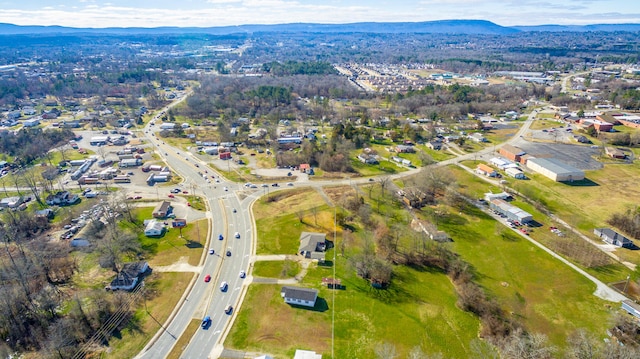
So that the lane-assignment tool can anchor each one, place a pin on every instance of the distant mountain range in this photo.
(436, 27)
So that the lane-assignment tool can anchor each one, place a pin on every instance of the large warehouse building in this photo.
(555, 170)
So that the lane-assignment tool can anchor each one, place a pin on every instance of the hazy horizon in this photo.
(211, 13)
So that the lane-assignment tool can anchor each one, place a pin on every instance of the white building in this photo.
(515, 173)
(299, 296)
(154, 228)
(555, 169)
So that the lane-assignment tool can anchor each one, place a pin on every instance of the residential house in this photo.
(299, 296)
(477, 137)
(47, 213)
(162, 210)
(129, 276)
(62, 198)
(486, 170)
(435, 145)
(305, 168)
(11, 202)
(32, 122)
(580, 139)
(405, 149)
(154, 228)
(612, 237)
(368, 159)
(312, 245)
(615, 153)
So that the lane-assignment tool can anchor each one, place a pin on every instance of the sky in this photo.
(206, 13)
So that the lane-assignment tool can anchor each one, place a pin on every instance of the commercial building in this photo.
(511, 152)
(510, 211)
(515, 173)
(555, 169)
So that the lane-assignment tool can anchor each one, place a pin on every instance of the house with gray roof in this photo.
(299, 296)
(312, 245)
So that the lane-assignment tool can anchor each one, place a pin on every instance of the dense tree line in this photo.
(30, 144)
(41, 310)
(628, 222)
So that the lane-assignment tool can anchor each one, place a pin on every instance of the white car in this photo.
(237, 235)
(289, 184)
(226, 189)
(224, 286)
(242, 274)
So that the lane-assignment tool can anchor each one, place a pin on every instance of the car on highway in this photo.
(228, 309)
(253, 186)
(171, 196)
(274, 185)
(175, 190)
(289, 184)
(228, 252)
(206, 322)
(224, 286)
(207, 278)
(242, 274)
(237, 234)
(220, 237)
(234, 210)
(226, 189)
(211, 251)
(185, 192)
(265, 185)
(197, 165)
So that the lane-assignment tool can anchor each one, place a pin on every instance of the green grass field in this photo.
(419, 310)
(276, 269)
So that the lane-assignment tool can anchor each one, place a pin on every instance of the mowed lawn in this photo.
(419, 309)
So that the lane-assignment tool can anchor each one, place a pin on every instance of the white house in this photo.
(154, 228)
(299, 296)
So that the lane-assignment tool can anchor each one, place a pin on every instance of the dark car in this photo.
(206, 322)
(220, 237)
(228, 253)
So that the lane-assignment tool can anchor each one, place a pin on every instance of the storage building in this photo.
(515, 173)
(512, 212)
(555, 169)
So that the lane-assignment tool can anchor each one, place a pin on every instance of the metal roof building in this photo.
(555, 169)
(512, 212)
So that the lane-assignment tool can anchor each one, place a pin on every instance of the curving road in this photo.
(223, 197)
